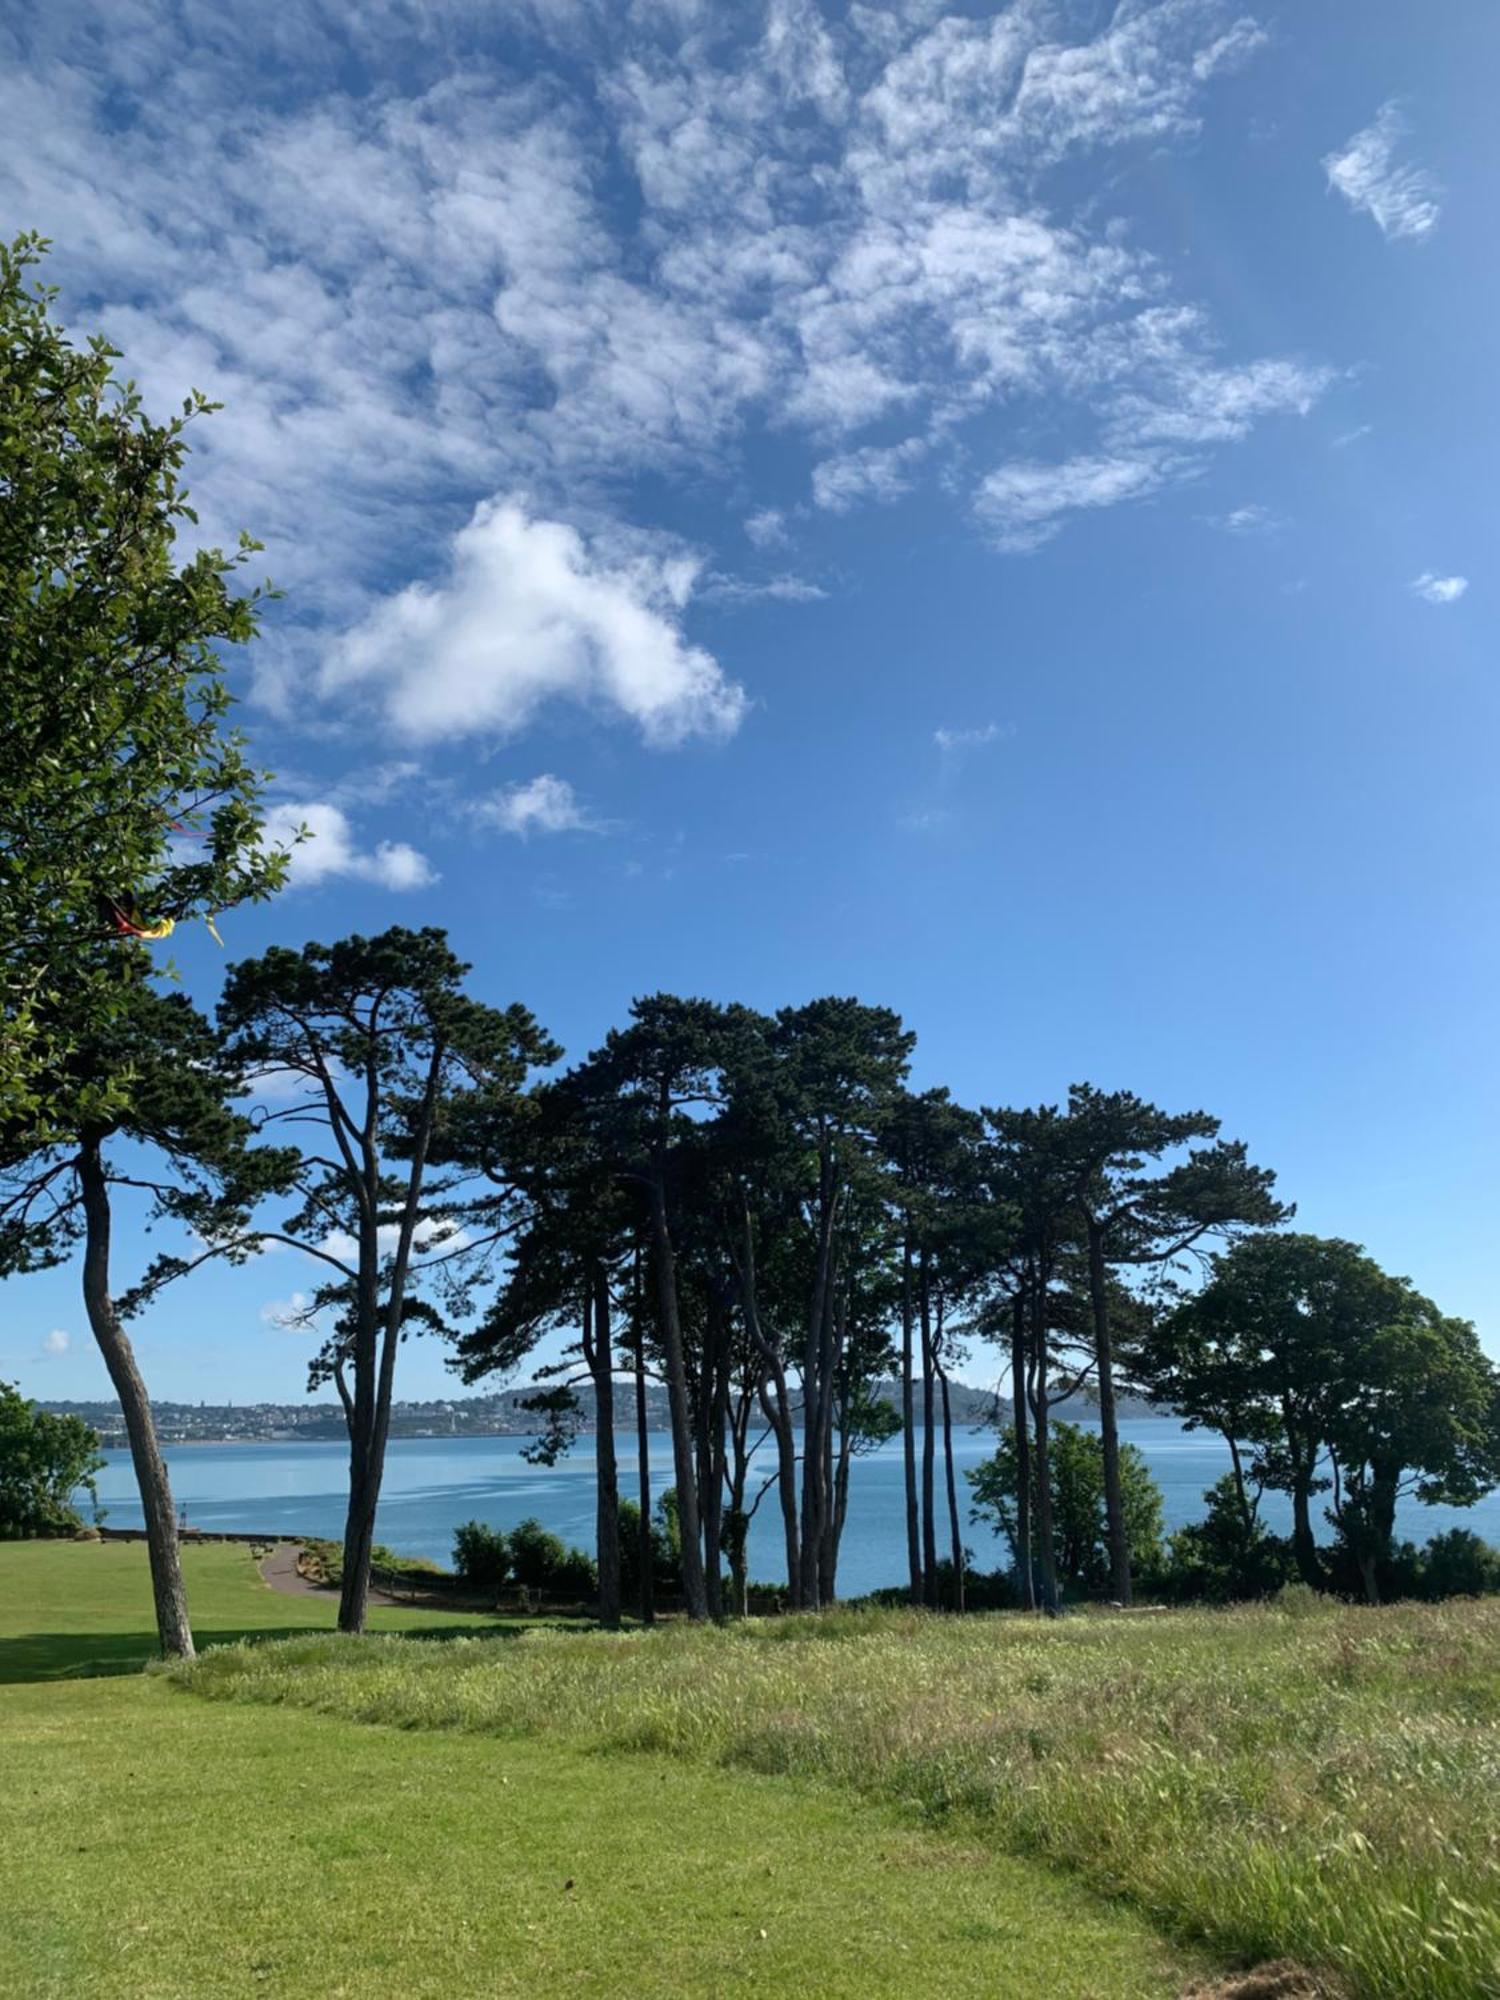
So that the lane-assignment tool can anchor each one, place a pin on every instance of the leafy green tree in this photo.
(1345, 1380)
(408, 1083)
(1077, 1468)
(45, 1459)
(1136, 1211)
(176, 1138)
(125, 805)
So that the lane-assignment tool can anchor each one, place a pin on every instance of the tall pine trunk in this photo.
(1115, 1534)
(1025, 1568)
(172, 1627)
(953, 1524)
(929, 1439)
(909, 1427)
(643, 1471)
(694, 1587)
(1041, 1406)
(599, 1354)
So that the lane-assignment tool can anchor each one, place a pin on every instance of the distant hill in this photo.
(502, 1414)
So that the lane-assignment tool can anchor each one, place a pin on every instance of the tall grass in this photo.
(1311, 1781)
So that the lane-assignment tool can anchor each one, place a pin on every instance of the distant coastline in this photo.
(503, 1414)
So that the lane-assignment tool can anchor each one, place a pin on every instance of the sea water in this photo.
(432, 1484)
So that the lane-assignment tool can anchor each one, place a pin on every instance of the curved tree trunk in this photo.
(172, 1626)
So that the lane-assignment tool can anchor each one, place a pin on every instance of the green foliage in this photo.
(114, 696)
(44, 1460)
(1226, 1556)
(481, 1555)
(1458, 1563)
(542, 1561)
(1077, 1459)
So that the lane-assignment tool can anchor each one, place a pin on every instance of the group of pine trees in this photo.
(758, 1210)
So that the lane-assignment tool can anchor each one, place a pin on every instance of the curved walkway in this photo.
(279, 1570)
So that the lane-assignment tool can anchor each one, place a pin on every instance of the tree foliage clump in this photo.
(126, 805)
(46, 1460)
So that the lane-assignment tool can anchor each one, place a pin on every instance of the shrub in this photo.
(1223, 1557)
(1459, 1564)
(481, 1555)
(44, 1460)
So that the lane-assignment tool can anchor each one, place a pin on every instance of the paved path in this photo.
(280, 1571)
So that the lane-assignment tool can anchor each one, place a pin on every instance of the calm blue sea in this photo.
(431, 1484)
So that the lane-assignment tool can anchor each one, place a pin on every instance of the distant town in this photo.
(504, 1414)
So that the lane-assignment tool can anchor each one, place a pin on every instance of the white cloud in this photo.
(767, 528)
(1024, 503)
(1251, 519)
(1439, 589)
(294, 1313)
(1403, 200)
(433, 1234)
(541, 805)
(528, 614)
(331, 849)
(440, 287)
(955, 741)
(56, 1342)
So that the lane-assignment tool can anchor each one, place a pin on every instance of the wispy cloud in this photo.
(955, 742)
(56, 1342)
(1403, 200)
(1251, 519)
(447, 289)
(1433, 589)
(544, 804)
(331, 849)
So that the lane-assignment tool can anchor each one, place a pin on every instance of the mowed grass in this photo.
(68, 1608)
(1318, 1782)
(157, 1845)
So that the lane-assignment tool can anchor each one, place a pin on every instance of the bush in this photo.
(1459, 1564)
(540, 1560)
(1222, 1558)
(481, 1555)
(44, 1460)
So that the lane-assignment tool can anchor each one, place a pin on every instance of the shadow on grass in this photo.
(65, 1656)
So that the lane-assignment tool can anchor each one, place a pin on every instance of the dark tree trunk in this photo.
(1115, 1533)
(1041, 1402)
(778, 1411)
(643, 1454)
(1304, 1460)
(953, 1526)
(172, 1627)
(1025, 1568)
(929, 1439)
(817, 1393)
(909, 1428)
(1236, 1460)
(599, 1354)
(694, 1588)
(373, 1405)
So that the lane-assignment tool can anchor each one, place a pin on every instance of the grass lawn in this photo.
(1312, 1780)
(157, 1845)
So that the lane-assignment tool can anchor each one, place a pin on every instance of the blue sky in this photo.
(989, 509)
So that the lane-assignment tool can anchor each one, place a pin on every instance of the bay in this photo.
(432, 1484)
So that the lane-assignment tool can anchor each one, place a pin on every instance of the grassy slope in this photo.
(1319, 1781)
(158, 1845)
